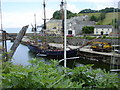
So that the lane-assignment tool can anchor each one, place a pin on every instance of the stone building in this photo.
(103, 29)
(74, 25)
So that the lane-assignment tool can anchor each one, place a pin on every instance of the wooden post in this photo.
(17, 40)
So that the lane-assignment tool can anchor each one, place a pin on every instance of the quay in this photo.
(88, 50)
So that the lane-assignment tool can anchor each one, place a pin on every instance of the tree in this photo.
(107, 10)
(88, 29)
(88, 11)
(102, 16)
(57, 14)
(93, 18)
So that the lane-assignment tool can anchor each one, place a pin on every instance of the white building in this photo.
(105, 29)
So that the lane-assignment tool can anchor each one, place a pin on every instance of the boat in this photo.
(46, 50)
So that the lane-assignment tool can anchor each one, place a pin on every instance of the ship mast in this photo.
(1, 15)
(63, 8)
(65, 61)
(4, 34)
(44, 5)
(35, 27)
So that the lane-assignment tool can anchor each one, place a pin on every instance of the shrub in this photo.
(43, 74)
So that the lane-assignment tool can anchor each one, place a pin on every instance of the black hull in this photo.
(52, 53)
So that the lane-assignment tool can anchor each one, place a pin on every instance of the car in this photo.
(117, 51)
(69, 35)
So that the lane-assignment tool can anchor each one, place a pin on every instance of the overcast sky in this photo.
(18, 13)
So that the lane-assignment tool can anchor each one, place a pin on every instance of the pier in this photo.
(88, 50)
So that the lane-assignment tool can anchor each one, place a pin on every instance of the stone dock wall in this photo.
(79, 41)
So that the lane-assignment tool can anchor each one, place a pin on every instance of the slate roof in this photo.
(103, 26)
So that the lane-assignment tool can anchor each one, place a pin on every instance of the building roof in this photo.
(103, 26)
(54, 21)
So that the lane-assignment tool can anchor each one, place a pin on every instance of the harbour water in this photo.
(23, 55)
(16, 30)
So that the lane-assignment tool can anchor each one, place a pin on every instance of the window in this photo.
(69, 32)
(54, 28)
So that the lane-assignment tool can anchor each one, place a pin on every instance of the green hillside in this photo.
(89, 14)
(108, 19)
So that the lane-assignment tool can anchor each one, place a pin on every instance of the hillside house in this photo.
(54, 27)
(74, 25)
(103, 29)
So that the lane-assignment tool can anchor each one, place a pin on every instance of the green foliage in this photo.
(88, 29)
(106, 10)
(43, 74)
(88, 11)
(57, 14)
(93, 18)
(102, 16)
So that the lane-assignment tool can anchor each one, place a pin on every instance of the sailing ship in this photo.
(43, 49)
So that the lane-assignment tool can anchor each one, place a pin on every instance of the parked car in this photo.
(117, 51)
(69, 35)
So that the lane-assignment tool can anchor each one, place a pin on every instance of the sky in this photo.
(18, 13)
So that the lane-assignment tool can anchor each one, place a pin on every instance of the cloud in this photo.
(93, 1)
(21, 1)
(15, 19)
(26, 16)
(72, 8)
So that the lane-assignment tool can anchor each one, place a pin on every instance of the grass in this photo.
(107, 20)
(89, 14)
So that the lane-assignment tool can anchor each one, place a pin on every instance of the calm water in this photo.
(23, 55)
(16, 30)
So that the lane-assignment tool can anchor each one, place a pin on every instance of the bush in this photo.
(88, 29)
(43, 74)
